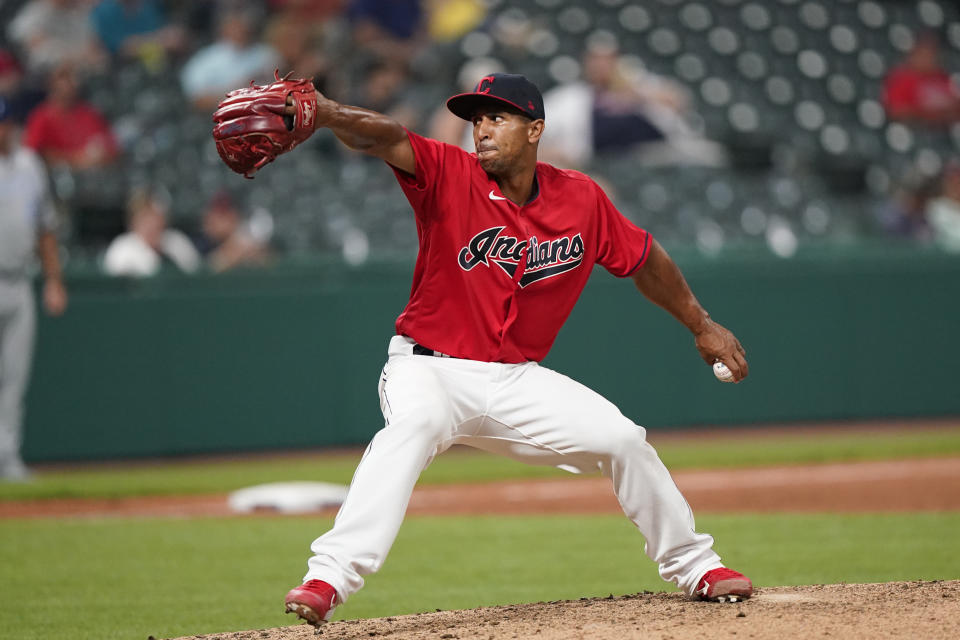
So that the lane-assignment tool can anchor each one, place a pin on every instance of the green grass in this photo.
(806, 447)
(106, 579)
(708, 451)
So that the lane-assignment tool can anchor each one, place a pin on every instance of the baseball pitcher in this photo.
(507, 244)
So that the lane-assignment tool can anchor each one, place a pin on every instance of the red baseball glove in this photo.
(250, 127)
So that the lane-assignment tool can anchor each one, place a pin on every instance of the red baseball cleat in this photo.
(314, 601)
(724, 585)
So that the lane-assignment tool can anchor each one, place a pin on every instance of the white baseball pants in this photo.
(523, 411)
(17, 329)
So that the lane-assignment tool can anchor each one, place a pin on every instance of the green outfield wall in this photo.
(290, 357)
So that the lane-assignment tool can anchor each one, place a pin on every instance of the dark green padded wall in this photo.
(290, 357)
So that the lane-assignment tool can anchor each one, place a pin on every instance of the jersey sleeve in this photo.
(438, 166)
(623, 247)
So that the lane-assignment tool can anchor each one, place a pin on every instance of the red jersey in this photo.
(905, 88)
(495, 281)
(50, 128)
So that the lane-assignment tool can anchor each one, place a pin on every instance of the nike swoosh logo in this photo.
(493, 197)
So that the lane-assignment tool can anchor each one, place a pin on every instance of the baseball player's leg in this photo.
(543, 417)
(421, 398)
(17, 328)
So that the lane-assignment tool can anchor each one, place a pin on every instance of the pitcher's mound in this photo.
(850, 611)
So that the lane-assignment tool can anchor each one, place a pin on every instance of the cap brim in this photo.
(464, 105)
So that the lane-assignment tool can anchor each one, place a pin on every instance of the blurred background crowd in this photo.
(720, 125)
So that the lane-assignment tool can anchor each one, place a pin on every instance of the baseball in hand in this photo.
(722, 372)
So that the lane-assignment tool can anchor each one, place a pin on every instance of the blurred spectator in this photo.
(388, 29)
(138, 29)
(619, 107)
(298, 43)
(943, 212)
(387, 88)
(227, 243)
(231, 62)
(197, 18)
(27, 220)
(903, 215)
(50, 32)
(920, 89)
(149, 244)
(449, 20)
(66, 130)
(313, 11)
(11, 74)
(20, 96)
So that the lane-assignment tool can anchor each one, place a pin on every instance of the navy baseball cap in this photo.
(508, 89)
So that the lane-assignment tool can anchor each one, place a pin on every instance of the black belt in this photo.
(420, 350)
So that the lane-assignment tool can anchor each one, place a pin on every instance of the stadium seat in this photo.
(792, 87)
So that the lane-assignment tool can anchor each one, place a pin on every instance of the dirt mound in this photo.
(892, 610)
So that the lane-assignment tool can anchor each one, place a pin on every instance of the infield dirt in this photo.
(929, 610)
(931, 484)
